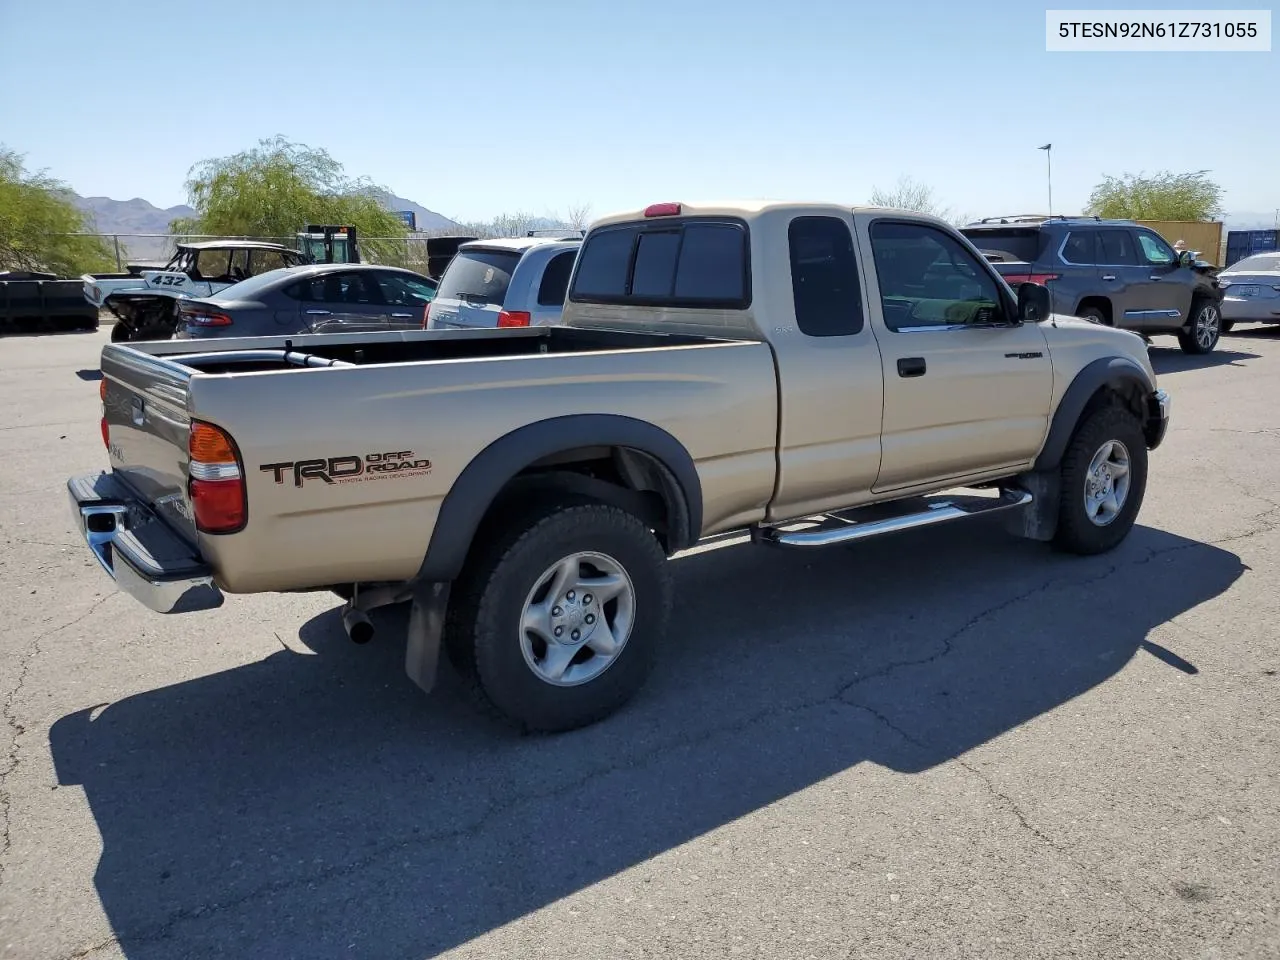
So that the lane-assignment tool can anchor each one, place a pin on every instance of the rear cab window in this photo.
(677, 262)
(1011, 244)
(479, 276)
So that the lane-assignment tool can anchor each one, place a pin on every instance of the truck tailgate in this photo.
(146, 430)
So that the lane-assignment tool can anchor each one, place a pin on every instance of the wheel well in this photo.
(630, 479)
(1102, 303)
(1123, 393)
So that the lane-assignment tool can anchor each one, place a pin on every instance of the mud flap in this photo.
(426, 626)
(1039, 519)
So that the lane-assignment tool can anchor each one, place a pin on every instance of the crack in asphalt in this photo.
(11, 720)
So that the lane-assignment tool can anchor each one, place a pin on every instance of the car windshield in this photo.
(247, 289)
(1258, 263)
(478, 276)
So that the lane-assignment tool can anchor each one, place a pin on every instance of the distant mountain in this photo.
(1251, 220)
(428, 220)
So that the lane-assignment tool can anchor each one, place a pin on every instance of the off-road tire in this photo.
(1187, 339)
(482, 633)
(1076, 533)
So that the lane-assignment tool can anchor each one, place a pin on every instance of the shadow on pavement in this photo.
(1166, 360)
(319, 806)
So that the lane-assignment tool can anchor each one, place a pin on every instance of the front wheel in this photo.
(1226, 325)
(1103, 481)
(559, 622)
(1205, 329)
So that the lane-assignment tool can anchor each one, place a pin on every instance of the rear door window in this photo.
(693, 263)
(824, 277)
(1081, 248)
(478, 276)
(1116, 248)
(555, 279)
(1013, 244)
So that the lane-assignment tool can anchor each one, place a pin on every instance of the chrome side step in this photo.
(881, 519)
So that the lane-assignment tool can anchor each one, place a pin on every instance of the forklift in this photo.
(326, 243)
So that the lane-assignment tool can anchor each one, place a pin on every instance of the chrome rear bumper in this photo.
(139, 551)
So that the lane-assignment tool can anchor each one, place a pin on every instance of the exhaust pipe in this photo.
(357, 624)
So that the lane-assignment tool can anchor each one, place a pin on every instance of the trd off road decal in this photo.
(372, 466)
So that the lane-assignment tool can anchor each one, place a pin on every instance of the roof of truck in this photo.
(748, 209)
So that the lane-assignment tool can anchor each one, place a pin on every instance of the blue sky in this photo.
(475, 108)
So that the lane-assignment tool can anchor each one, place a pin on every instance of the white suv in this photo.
(517, 282)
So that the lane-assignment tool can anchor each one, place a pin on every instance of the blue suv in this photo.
(1116, 272)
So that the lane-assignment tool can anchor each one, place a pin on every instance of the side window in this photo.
(342, 288)
(927, 279)
(403, 291)
(606, 257)
(1115, 248)
(555, 279)
(1156, 251)
(213, 264)
(260, 261)
(824, 277)
(1081, 247)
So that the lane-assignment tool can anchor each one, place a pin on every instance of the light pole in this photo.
(1048, 152)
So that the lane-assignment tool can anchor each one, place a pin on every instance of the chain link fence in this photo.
(408, 251)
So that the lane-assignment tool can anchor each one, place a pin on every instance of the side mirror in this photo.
(1033, 302)
(1186, 259)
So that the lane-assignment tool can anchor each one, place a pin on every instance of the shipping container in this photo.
(1245, 243)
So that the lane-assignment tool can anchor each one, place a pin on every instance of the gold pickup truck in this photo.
(805, 374)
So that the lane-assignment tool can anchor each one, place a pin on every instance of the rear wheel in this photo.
(1094, 313)
(1103, 481)
(1205, 328)
(1226, 325)
(558, 623)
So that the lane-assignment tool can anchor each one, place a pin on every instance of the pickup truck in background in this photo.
(807, 374)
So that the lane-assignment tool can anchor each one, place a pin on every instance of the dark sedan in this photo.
(322, 298)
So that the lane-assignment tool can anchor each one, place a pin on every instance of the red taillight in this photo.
(426, 315)
(514, 318)
(662, 210)
(102, 395)
(216, 480)
(1041, 278)
(206, 319)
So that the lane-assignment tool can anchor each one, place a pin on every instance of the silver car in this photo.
(516, 282)
(1253, 290)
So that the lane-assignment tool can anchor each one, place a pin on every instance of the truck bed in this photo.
(431, 400)
(247, 354)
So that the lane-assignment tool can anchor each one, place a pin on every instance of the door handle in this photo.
(319, 313)
(402, 316)
(1109, 276)
(911, 367)
(1154, 277)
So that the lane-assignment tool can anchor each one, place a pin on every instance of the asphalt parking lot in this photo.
(949, 744)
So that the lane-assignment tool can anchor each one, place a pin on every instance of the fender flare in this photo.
(1116, 372)
(476, 488)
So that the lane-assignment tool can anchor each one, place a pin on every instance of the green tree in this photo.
(276, 188)
(918, 197)
(1162, 196)
(38, 223)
